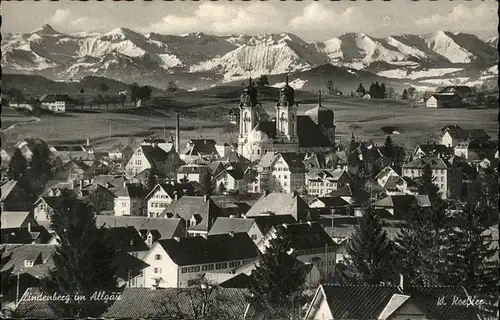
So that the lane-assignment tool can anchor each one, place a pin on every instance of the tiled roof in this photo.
(325, 174)
(267, 159)
(266, 222)
(187, 206)
(154, 155)
(223, 225)
(215, 248)
(173, 303)
(402, 201)
(333, 202)
(293, 160)
(239, 281)
(314, 160)
(446, 97)
(280, 204)
(434, 162)
(357, 302)
(131, 190)
(14, 219)
(20, 252)
(127, 266)
(342, 192)
(23, 235)
(193, 169)
(305, 236)
(203, 147)
(166, 227)
(56, 97)
(127, 239)
(6, 188)
(433, 148)
(167, 187)
(37, 309)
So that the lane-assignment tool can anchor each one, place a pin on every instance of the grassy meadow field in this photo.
(203, 115)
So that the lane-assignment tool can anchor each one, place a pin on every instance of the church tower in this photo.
(286, 116)
(324, 118)
(248, 114)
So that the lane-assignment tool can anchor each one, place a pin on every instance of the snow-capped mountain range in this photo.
(153, 58)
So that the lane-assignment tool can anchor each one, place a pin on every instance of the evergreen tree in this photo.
(361, 90)
(151, 180)
(404, 96)
(40, 161)
(17, 165)
(275, 281)
(471, 252)
(382, 91)
(389, 150)
(222, 188)
(370, 250)
(83, 260)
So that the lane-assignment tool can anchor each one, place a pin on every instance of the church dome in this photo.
(258, 136)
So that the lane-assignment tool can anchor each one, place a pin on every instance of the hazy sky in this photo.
(311, 20)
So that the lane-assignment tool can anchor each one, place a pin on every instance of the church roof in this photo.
(310, 134)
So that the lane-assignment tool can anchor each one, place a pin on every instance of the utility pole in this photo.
(326, 256)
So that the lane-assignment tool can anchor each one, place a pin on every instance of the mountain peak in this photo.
(46, 29)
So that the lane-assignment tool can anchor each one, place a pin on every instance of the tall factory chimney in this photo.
(178, 135)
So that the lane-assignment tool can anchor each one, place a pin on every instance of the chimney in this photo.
(88, 142)
(29, 226)
(403, 283)
(177, 134)
(231, 233)
(206, 197)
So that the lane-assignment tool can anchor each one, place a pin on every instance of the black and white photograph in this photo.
(250, 160)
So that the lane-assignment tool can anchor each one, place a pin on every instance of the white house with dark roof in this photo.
(176, 262)
(153, 156)
(57, 102)
(129, 200)
(448, 176)
(198, 212)
(159, 198)
(194, 172)
(280, 172)
(320, 182)
(255, 227)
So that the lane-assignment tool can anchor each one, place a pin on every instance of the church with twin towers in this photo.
(286, 131)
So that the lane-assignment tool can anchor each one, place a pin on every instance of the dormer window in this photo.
(29, 263)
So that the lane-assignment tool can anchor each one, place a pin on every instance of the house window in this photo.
(221, 265)
(124, 204)
(183, 270)
(157, 270)
(233, 264)
(254, 237)
(207, 267)
(157, 256)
